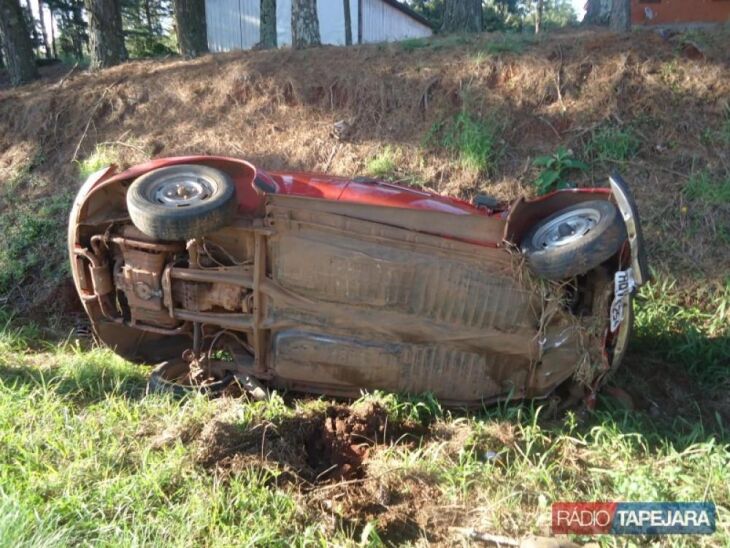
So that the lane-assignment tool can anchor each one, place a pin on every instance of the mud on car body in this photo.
(221, 272)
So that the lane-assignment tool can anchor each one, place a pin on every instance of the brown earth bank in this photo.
(277, 109)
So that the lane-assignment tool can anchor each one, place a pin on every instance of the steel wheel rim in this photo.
(181, 190)
(566, 229)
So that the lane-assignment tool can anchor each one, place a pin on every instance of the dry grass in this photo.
(277, 109)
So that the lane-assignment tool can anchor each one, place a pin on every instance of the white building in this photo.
(234, 24)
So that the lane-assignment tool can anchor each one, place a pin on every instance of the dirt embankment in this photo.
(666, 102)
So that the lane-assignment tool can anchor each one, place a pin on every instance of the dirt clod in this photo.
(314, 447)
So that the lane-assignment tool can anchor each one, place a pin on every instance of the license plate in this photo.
(623, 286)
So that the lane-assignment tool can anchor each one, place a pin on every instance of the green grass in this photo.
(703, 187)
(508, 43)
(79, 463)
(436, 43)
(687, 327)
(473, 140)
(383, 164)
(103, 156)
(32, 241)
(610, 144)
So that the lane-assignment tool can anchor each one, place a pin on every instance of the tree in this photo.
(538, 15)
(432, 10)
(462, 16)
(71, 25)
(621, 15)
(106, 40)
(16, 44)
(304, 24)
(595, 12)
(267, 28)
(53, 33)
(44, 34)
(192, 35)
(348, 22)
(143, 30)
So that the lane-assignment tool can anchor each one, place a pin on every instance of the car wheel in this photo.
(574, 240)
(173, 377)
(181, 202)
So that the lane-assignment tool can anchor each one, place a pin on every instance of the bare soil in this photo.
(314, 448)
(334, 460)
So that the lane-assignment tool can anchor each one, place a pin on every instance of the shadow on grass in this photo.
(82, 383)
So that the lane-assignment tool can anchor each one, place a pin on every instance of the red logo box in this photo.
(583, 518)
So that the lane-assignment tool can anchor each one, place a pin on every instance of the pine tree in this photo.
(304, 24)
(106, 40)
(16, 43)
(192, 34)
(462, 16)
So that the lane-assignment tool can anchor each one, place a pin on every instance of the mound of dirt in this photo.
(314, 447)
(328, 458)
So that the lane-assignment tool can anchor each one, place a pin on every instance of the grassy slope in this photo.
(86, 456)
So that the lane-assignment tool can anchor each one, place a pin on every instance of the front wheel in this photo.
(182, 202)
(574, 240)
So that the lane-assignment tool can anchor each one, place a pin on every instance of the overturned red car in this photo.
(220, 273)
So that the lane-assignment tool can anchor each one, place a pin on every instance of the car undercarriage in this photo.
(336, 296)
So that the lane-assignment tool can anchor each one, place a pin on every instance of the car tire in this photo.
(171, 378)
(574, 240)
(181, 202)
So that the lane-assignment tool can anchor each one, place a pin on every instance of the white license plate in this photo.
(623, 286)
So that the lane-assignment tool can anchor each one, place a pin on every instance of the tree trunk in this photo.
(462, 16)
(538, 16)
(621, 15)
(15, 39)
(192, 35)
(106, 41)
(53, 34)
(78, 37)
(348, 22)
(44, 34)
(267, 36)
(148, 17)
(593, 12)
(304, 24)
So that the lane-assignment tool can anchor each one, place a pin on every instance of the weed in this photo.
(383, 164)
(508, 43)
(475, 141)
(704, 188)
(435, 43)
(103, 156)
(556, 168)
(612, 144)
(725, 127)
(422, 409)
(412, 44)
(720, 135)
(689, 328)
(32, 241)
(24, 175)
(671, 75)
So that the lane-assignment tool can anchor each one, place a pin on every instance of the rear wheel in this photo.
(181, 202)
(574, 240)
